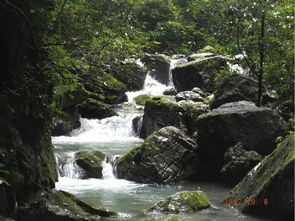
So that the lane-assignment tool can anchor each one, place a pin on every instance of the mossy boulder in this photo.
(60, 206)
(108, 88)
(90, 162)
(158, 65)
(198, 73)
(166, 156)
(95, 109)
(255, 127)
(130, 73)
(169, 218)
(182, 202)
(237, 163)
(141, 99)
(161, 111)
(235, 87)
(270, 185)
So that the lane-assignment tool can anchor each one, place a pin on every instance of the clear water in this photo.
(114, 137)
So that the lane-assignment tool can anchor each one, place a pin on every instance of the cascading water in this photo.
(114, 136)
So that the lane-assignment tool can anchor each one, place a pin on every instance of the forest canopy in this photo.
(89, 36)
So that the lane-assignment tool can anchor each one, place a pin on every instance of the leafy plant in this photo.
(3, 174)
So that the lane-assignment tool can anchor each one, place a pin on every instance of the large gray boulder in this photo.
(198, 73)
(255, 127)
(268, 189)
(235, 87)
(60, 206)
(237, 163)
(90, 162)
(159, 112)
(158, 66)
(162, 111)
(166, 156)
(182, 202)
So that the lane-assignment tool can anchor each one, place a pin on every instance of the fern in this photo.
(3, 174)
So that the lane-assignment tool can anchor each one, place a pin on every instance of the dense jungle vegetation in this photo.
(86, 37)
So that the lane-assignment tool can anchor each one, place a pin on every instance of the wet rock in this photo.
(237, 163)
(91, 163)
(170, 218)
(131, 74)
(161, 111)
(192, 110)
(141, 99)
(158, 65)
(60, 206)
(67, 122)
(199, 91)
(198, 73)
(166, 156)
(182, 202)
(268, 189)
(109, 89)
(188, 95)
(235, 87)
(136, 124)
(255, 127)
(170, 91)
(95, 109)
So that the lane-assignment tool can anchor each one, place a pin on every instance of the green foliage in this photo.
(84, 37)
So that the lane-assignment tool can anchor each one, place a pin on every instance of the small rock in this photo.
(90, 162)
(188, 95)
(170, 91)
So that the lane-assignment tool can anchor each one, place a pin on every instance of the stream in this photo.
(114, 136)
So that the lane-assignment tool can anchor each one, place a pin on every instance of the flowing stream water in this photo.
(114, 136)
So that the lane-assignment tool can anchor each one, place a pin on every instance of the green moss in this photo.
(132, 155)
(112, 83)
(196, 200)
(91, 157)
(62, 202)
(164, 101)
(141, 99)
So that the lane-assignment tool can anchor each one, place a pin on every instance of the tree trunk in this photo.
(261, 59)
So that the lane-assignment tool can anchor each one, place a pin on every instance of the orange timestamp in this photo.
(249, 201)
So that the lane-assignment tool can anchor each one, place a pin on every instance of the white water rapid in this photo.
(114, 136)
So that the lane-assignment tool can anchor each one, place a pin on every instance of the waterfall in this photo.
(107, 170)
(107, 135)
(67, 167)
